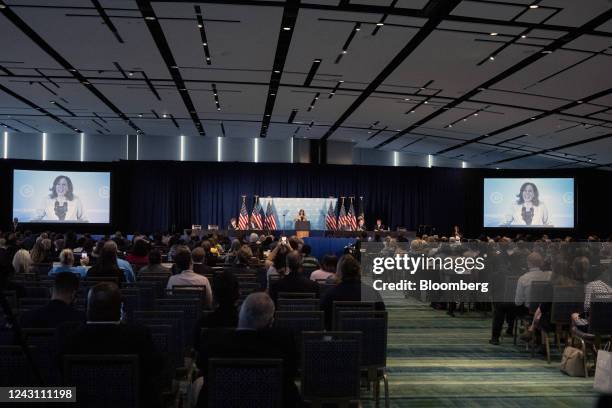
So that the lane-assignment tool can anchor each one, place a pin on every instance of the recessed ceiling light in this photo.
(173, 67)
(149, 18)
(450, 126)
(357, 29)
(200, 26)
(287, 28)
(205, 44)
(546, 52)
(52, 102)
(164, 116)
(332, 93)
(578, 101)
(276, 71)
(475, 114)
(85, 83)
(380, 24)
(218, 109)
(207, 58)
(411, 111)
(272, 94)
(533, 6)
(425, 102)
(523, 36)
(493, 34)
(406, 99)
(2, 6)
(140, 115)
(341, 81)
(344, 51)
(492, 58)
(532, 118)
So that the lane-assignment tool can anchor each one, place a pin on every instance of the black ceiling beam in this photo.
(530, 119)
(38, 40)
(436, 10)
(558, 43)
(38, 108)
(159, 38)
(107, 20)
(313, 71)
(290, 13)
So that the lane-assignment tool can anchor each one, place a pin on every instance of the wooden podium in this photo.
(302, 229)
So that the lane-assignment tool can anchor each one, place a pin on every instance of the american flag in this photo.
(352, 221)
(270, 220)
(342, 218)
(256, 217)
(243, 219)
(330, 219)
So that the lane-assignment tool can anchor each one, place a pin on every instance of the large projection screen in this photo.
(528, 203)
(61, 196)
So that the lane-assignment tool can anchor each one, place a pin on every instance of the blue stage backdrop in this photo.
(315, 209)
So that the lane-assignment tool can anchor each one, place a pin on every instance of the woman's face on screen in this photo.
(528, 193)
(61, 188)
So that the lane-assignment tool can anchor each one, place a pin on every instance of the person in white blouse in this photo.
(62, 204)
(528, 209)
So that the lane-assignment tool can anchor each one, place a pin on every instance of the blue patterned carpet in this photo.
(435, 360)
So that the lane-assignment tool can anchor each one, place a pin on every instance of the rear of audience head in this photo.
(66, 257)
(141, 247)
(226, 289)
(294, 261)
(534, 260)
(22, 261)
(108, 255)
(155, 257)
(182, 258)
(256, 312)
(104, 303)
(65, 287)
(235, 246)
(306, 249)
(244, 254)
(198, 254)
(329, 263)
(348, 269)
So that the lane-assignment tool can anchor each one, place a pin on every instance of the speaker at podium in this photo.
(302, 229)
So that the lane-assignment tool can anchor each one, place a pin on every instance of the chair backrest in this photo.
(103, 380)
(539, 292)
(162, 340)
(350, 305)
(237, 383)
(298, 304)
(148, 292)
(296, 295)
(174, 318)
(566, 300)
(600, 316)
(45, 343)
(37, 291)
(32, 302)
(331, 365)
(98, 279)
(299, 322)
(510, 288)
(131, 303)
(373, 327)
(14, 367)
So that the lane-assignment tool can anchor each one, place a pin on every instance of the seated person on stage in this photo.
(361, 224)
(308, 261)
(59, 310)
(226, 293)
(293, 280)
(105, 334)
(327, 271)
(254, 338)
(154, 266)
(199, 266)
(350, 288)
(188, 277)
(108, 265)
(66, 258)
(523, 286)
(379, 225)
(233, 224)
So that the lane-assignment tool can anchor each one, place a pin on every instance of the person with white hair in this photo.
(22, 262)
(254, 338)
(66, 258)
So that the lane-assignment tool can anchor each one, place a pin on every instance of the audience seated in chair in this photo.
(349, 288)
(226, 294)
(154, 266)
(293, 280)
(104, 333)
(107, 264)
(309, 262)
(138, 257)
(327, 271)
(199, 262)
(59, 310)
(187, 277)
(254, 338)
(534, 273)
(66, 258)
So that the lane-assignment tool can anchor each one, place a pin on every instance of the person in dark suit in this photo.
(226, 294)
(379, 225)
(104, 333)
(199, 265)
(350, 288)
(59, 310)
(253, 339)
(293, 280)
(233, 225)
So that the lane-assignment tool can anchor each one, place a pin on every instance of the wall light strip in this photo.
(44, 146)
(82, 146)
(256, 150)
(291, 149)
(182, 148)
(429, 160)
(219, 148)
(396, 159)
(5, 145)
(137, 145)
(463, 165)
